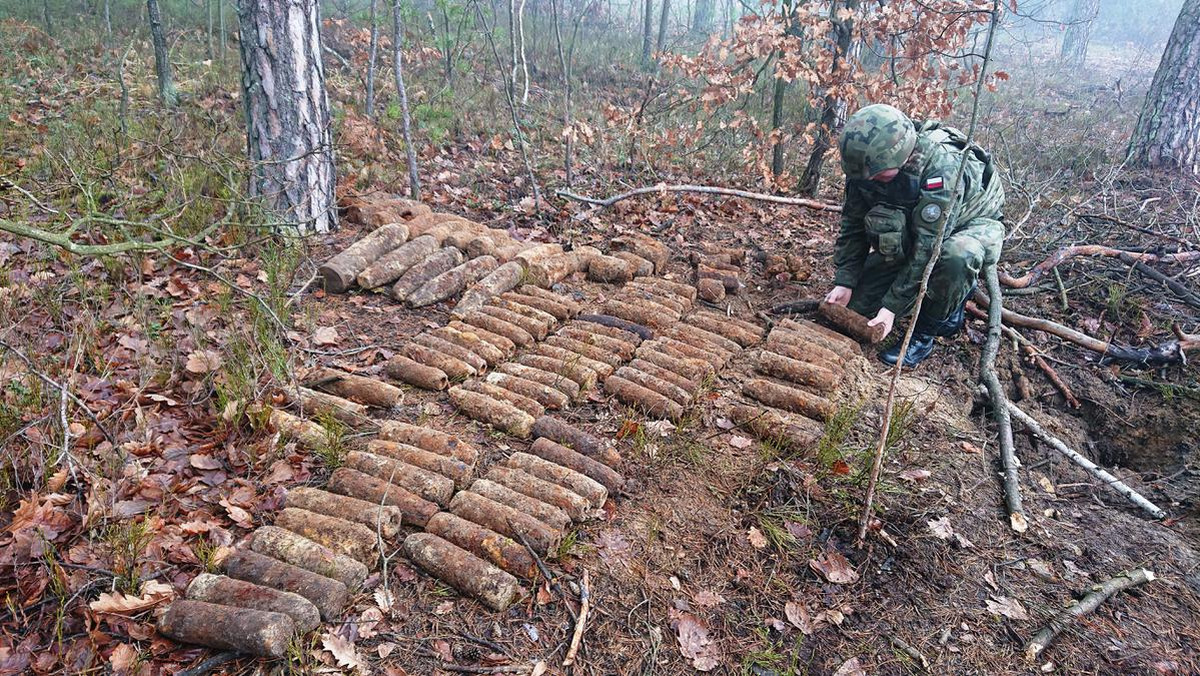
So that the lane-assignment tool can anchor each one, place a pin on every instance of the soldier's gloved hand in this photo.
(884, 318)
(840, 295)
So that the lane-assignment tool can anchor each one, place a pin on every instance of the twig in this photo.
(703, 189)
(1069, 252)
(56, 385)
(209, 665)
(1091, 467)
(987, 373)
(909, 650)
(1034, 356)
(584, 606)
(504, 669)
(1182, 292)
(1088, 604)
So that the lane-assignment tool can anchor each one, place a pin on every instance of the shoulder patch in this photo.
(934, 183)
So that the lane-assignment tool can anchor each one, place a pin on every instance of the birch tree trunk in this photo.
(1168, 128)
(162, 61)
(288, 135)
(372, 50)
(1079, 32)
(414, 178)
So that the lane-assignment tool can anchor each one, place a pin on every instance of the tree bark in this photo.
(647, 23)
(564, 61)
(162, 60)
(703, 19)
(1168, 128)
(842, 32)
(414, 178)
(663, 16)
(372, 50)
(776, 123)
(1079, 32)
(288, 136)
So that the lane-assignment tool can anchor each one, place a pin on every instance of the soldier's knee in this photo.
(962, 257)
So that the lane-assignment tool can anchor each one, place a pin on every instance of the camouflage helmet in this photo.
(876, 138)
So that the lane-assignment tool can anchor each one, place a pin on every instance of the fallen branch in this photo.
(987, 373)
(584, 605)
(702, 189)
(1091, 467)
(1034, 356)
(1182, 292)
(1065, 253)
(799, 307)
(1088, 604)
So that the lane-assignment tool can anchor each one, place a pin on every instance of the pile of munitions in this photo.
(718, 271)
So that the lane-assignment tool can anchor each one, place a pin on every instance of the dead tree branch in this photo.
(1034, 356)
(1066, 253)
(606, 202)
(1088, 604)
(987, 373)
(1181, 292)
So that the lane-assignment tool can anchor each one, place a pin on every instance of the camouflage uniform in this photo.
(888, 229)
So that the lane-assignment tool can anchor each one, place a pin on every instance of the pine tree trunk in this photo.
(162, 60)
(1168, 128)
(1079, 32)
(372, 50)
(288, 137)
(647, 28)
(414, 178)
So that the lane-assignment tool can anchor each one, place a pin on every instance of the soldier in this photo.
(898, 188)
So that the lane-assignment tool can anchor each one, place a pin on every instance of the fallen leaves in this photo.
(835, 568)
(740, 442)
(326, 336)
(797, 614)
(915, 475)
(756, 538)
(342, 650)
(694, 641)
(153, 593)
(1007, 607)
(201, 362)
(850, 667)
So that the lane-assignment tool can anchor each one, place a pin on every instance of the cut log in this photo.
(587, 488)
(830, 338)
(254, 632)
(392, 265)
(790, 398)
(502, 551)
(614, 340)
(545, 395)
(697, 336)
(431, 266)
(452, 282)
(499, 414)
(459, 568)
(640, 330)
(434, 441)
(308, 433)
(553, 517)
(352, 539)
(560, 311)
(658, 385)
(793, 432)
(435, 342)
(329, 596)
(536, 291)
(654, 316)
(312, 403)
(300, 551)
(506, 346)
(429, 485)
(507, 521)
(226, 591)
(685, 291)
(643, 398)
(545, 318)
(452, 367)
(851, 323)
(583, 377)
(377, 518)
(339, 272)
(610, 270)
(529, 485)
(536, 329)
(802, 348)
(572, 437)
(448, 466)
(417, 374)
(711, 290)
(557, 453)
(667, 375)
(488, 322)
(502, 279)
(601, 369)
(640, 267)
(644, 246)
(662, 355)
(498, 393)
(490, 354)
(742, 333)
(368, 391)
(346, 481)
(561, 383)
(819, 378)
(586, 348)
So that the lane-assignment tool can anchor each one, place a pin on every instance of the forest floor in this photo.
(716, 546)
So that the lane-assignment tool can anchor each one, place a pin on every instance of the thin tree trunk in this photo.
(414, 178)
(1168, 128)
(224, 32)
(46, 18)
(568, 126)
(208, 5)
(512, 43)
(843, 30)
(776, 123)
(1079, 32)
(662, 26)
(108, 21)
(162, 60)
(524, 58)
(372, 49)
(647, 23)
(702, 22)
(288, 135)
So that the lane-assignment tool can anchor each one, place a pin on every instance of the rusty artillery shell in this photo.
(498, 393)
(499, 414)
(462, 570)
(502, 551)
(506, 520)
(498, 281)
(658, 385)
(300, 551)
(435, 342)
(662, 355)
(429, 439)
(641, 331)
(539, 252)
(654, 316)
(368, 391)
(429, 485)
(667, 375)
(572, 437)
(329, 596)
(310, 403)
(655, 296)
(546, 319)
(831, 340)
(346, 481)
(551, 307)
(548, 514)
(571, 304)
(601, 369)
(535, 328)
(254, 632)
(345, 537)
(308, 433)
(614, 340)
(339, 272)
(480, 246)
(715, 358)
(643, 398)
(462, 231)
(447, 465)
(730, 279)
(609, 270)
(506, 346)
(850, 322)
(694, 335)
(545, 395)
(644, 246)
(490, 354)
(725, 326)
(685, 291)
(584, 377)
(499, 326)
(392, 265)
(589, 489)
(802, 348)
(819, 378)
(711, 290)
(561, 455)
(452, 367)
(638, 265)
(561, 383)
(382, 518)
(575, 506)
(227, 591)
(792, 431)
(416, 374)
(790, 398)
(442, 260)
(587, 349)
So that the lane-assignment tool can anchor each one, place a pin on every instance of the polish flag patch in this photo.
(934, 183)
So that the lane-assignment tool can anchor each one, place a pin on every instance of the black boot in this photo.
(920, 347)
